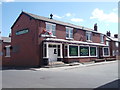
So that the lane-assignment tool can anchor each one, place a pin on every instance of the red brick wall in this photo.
(81, 59)
(78, 34)
(27, 45)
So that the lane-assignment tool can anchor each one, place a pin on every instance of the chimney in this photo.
(10, 34)
(115, 35)
(108, 33)
(51, 16)
(95, 27)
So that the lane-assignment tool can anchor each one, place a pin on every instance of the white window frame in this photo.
(68, 56)
(108, 52)
(96, 51)
(78, 50)
(84, 46)
(117, 44)
(51, 30)
(107, 43)
(102, 38)
(69, 33)
(7, 51)
(89, 36)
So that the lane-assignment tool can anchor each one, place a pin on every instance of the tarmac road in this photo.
(103, 75)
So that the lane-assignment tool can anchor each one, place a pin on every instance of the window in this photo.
(51, 28)
(22, 31)
(88, 36)
(84, 51)
(105, 51)
(113, 52)
(92, 51)
(117, 44)
(69, 33)
(107, 43)
(102, 38)
(44, 50)
(7, 54)
(1, 53)
(73, 50)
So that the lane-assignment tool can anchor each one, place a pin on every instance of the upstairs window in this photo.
(89, 36)
(107, 43)
(69, 33)
(102, 38)
(51, 28)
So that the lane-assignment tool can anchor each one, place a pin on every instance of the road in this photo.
(89, 76)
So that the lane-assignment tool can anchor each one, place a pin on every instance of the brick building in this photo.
(114, 44)
(5, 51)
(38, 41)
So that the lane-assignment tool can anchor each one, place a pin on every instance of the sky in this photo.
(85, 14)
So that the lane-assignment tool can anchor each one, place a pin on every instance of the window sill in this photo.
(102, 42)
(48, 36)
(69, 39)
(88, 40)
(7, 56)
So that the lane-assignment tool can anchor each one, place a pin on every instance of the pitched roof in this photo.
(6, 39)
(58, 22)
(113, 39)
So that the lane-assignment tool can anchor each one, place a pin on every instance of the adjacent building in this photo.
(114, 44)
(5, 51)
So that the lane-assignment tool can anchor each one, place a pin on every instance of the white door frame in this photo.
(47, 49)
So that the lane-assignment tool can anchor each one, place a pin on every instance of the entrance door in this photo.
(52, 54)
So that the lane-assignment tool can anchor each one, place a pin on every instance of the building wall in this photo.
(25, 46)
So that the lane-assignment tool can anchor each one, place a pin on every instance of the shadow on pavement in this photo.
(18, 68)
(114, 85)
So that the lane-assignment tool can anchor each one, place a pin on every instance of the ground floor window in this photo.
(73, 50)
(7, 54)
(92, 51)
(105, 51)
(84, 51)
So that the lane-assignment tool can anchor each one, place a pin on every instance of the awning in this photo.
(73, 42)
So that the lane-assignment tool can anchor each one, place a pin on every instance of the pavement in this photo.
(76, 65)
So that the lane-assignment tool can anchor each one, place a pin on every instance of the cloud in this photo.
(115, 9)
(8, 0)
(68, 14)
(77, 20)
(102, 16)
(56, 16)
